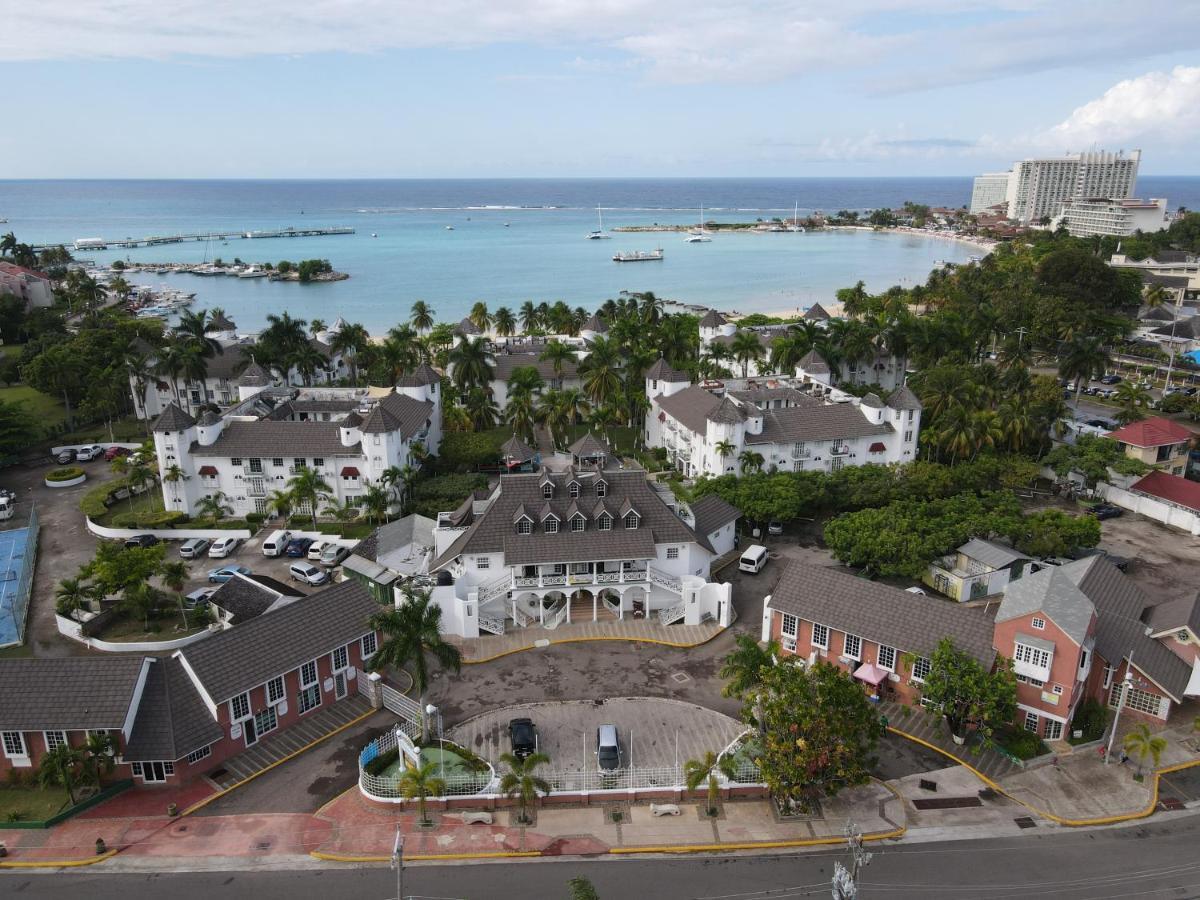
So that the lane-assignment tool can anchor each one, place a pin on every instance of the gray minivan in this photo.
(194, 548)
(608, 748)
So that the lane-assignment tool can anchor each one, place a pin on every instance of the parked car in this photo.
(62, 457)
(297, 548)
(523, 736)
(333, 555)
(1105, 511)
(608, 748)
(307, 573)
(315, 549)
(199, 597)
(1111, 379)
(1099, 423)
(113, 452)
(1120, 562)
(224, 573)
(87, 454)
(194, 548)
(774, 528)
(222, 547)
(141, 540)
(1190, 391)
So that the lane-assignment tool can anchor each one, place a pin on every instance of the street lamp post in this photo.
(398, 863)
(1126, 684)
(432, 711)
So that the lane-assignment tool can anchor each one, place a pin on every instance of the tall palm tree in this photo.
(470, 364)
(411, 638)
(529, 317)
(746, 347)
(1141, 743)
(343, 512)
(521, 782)
(315, 327)
(552, 412)
(307, 486)
(750, 461)
(421, 316)
(520, 414)
(504, 321)
(61, 766)
(1132, 400)
(480, 316)
(601, 371)
(71, 595)
(1083, 358)
(376, 501)
(213, 507)
(351, 342)
(742, 669)
(558, 355)
(175, 576)
(481, 407)
(99, 756)
(193, 326)
(723, 450)
(174, 476)
(419, 782)
(698, 771)
(120, 288)
(280, 503)
(307, 360)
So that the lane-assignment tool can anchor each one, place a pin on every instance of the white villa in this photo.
(796, 424)
(350, 435)
(583, 545)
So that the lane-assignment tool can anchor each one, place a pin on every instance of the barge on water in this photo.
(638, 255)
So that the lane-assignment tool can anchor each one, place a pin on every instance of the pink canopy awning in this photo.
(870, 673)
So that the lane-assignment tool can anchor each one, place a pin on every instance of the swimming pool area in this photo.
(18, 553)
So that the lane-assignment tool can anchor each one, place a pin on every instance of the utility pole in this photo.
(845, 881)
(1126, 684)
(398, 863)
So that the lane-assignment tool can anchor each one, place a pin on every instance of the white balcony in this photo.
(586, 579)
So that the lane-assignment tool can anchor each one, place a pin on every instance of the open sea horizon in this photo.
(452, 242)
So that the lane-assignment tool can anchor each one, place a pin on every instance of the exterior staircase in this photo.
(932, 729)
(581, 611)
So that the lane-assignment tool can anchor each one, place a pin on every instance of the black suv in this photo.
(523, 736)
(141, 540)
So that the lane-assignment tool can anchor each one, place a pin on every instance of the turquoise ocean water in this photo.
(512, 240)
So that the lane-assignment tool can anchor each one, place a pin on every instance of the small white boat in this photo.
(638, 255)
(449, 227)
(796, 226)
(373, 234)
(698, 235)
(253, 272)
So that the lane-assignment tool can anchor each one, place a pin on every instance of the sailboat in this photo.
(796, 226)
(698, 235)
(598, 234)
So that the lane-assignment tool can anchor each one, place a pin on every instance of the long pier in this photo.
(157, 240)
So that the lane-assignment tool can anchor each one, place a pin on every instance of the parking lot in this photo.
(249, 554)
(652, 732)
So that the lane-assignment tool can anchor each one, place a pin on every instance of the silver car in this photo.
(194, 548)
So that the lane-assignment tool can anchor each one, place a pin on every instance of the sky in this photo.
(592, 88)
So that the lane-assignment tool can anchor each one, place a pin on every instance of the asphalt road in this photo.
(1149, 861)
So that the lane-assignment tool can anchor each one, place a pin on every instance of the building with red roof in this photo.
(1170, 488)
(30, 285)
(1157, 442)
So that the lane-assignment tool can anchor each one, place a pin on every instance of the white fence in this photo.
(412, 717)
(166, 534)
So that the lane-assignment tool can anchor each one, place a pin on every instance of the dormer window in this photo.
(604, 523)
(573, 488)
(578, 523)
(524, 527)
(632, 520)
(547, 491)
(601, 488)
(552, 526)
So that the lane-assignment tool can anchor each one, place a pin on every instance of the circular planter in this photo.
(66, 477)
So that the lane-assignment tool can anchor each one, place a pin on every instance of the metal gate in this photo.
(409, 710)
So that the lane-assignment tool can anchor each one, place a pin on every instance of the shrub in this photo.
(1020, 743)
(66, 473)
(143, 519)
(1091, 718)
(95, 502)
(255, 520)
(381, 762)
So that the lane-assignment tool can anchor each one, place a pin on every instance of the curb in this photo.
(1069, 823)
(425, 857)
(586, 640)
(59, 863)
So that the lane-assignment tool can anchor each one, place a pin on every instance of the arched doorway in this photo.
(583, 606)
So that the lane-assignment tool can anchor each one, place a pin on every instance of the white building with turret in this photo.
(797, 424)
(350, 435)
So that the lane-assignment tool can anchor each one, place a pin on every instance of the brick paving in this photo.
(493, 645)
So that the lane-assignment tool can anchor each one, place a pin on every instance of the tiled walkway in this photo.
(492, 645)
(932, 729)
(274, 748)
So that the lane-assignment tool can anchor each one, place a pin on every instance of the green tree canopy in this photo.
(970, 694)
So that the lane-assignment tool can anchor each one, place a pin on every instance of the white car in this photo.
(222, 547)
(87, 454)
(308, 573)
(314, 550)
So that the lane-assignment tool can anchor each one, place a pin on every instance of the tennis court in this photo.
(18, 549)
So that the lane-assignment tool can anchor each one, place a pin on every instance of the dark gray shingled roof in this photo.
(726, 413)
(872, 400)
(1157, 314)
(903, 398)
(209, 418)
(828, 422)
(661, 371)
(595, 323)
(790, 395)
(515, 448)
(816, 313)
(269, 438)
(411, 414)
(221, 322)
(69, 694)
(712, 512)
(247, 597)
(912, 623)
(1171, 256)
(506, 363)
(589, 446)
(690, 407)
(172, 719)
(254, 375)
(713, 319)
(422, 375)
(1182, 612)
(813, 363)
(466, 326)
(246, 656)
(1185, 328)
(173, 418)
(228, 362)
(494, 532)
(1167, 281)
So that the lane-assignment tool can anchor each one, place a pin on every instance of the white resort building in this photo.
(1100, 216)
(350, 435)
(594, 544)
(795, 424)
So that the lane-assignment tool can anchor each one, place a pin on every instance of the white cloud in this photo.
(1161, 106)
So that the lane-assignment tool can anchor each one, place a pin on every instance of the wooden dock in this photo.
(157, 240)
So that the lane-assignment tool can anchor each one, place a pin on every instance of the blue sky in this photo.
(369, 88)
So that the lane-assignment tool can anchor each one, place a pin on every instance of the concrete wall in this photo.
(168, 534)
(1152, 508)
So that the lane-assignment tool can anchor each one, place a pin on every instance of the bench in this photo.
(476, 817)
(664, 809)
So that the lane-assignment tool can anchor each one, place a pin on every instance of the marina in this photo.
(206, 236)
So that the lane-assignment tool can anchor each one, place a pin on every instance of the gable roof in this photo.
(871, 401)
(70, 694)
(504, 364)
(690, 406)
(813, 363)
(1172, 488)
(662, 371)
(422, 375)
(826, 422)
(1182, 612)
(1184, 328)
(172, 719)
(595, 323)
(713, 319)
(244, 657)
(589, 446)
(903, 398)
(711, 512)
(816, 313)
(515, 448)
(466, 326)
(1153, 432)
(1053, 593)
(266, 438)
(991, 553)
(402, 547)
(173, 418)
(727, 413)
(912, 623)
(246, 597)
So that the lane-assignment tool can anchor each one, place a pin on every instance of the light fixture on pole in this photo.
(398, 863)
(432, 711)
(1126, 684)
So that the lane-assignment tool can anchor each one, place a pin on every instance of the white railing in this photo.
(839, 450)
(634, 575)
(494, 588)
(554, 579)
(671, 614)
(662, 579)
(526, 581)
(492, 624)
(522, 618)
(409, 710)
(608, 577)
(561, 615)
(612, 606)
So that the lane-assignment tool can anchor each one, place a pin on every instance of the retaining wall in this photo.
(166, 534)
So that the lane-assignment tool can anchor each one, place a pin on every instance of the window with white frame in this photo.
(308, 673)
(524, 527)
(1054, 730)
(1025, 679)
(310, 691)
(1057, 689)
(552, 525)
(370, 643)
(1108, 674)
(265, 721)
(547, 491)
(573, 489)
(601, 488)
(1038, 623)
(887, 658)
(578, 523)
(853, 646)
(820, 636)
(239, 707)
(921, 668)
(1031, 722)
(196, 755)
(485, 562)
(672, 553)
(604, 523)
(632, 520)
(14, 744)
(1142, 701)
(277, 462)
(235, 460)
(790, 626)
(341, 659)
(55, 739)
(275, 690)
(1034, 656)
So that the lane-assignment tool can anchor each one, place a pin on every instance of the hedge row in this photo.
(67, 473)
(166, 518)
(95, 502)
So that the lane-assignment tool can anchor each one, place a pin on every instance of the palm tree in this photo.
(723, 449)
(214, 507)
(558, 355)
(529, 316)
(751, 461)
(697, 771)
(61, 766)
(99, 756)
(307, 487)
(351, 341)
(376, 501)
(480, 317)
(601, 371)
(1083, 359)
(1141, 743)
(308, 361)
(421, 316)
(343, 512)
(553, 412)
(137, 475)
(174, 476)
(519, 781)
(411, 636)
(1132, 400)
(520, 414)
(420, 782)
(280, 503)
(482, 409)
(470, 364)
(315, 327)
(193, 326)
(746, 347)
(742, 669)
(71, 595)
(175, 576)
(119, 287)
(504, 321)
(1015, 423)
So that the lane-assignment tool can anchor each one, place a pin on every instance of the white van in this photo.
(276, 543)
(753, 559)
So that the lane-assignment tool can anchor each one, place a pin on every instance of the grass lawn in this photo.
(11, 350)
(126, 431)
(146, 502)
(31, 804)
(619, 438)
(46, 410)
